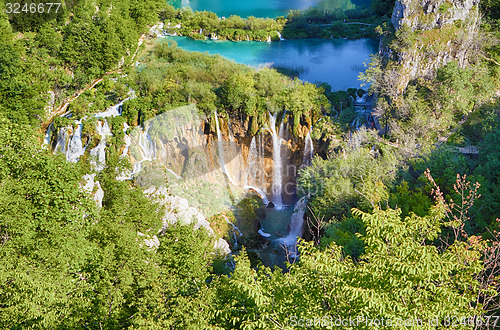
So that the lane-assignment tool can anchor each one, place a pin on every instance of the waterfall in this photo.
(263, 173)
(295, 228)
(308, 150)
(128, 140)
(279, 35)
(99, 152)
(235, 229)
(46, 139)
(278, 167)
(362, 99)
(61, 140)
(75, 146)
(146, 145)
(220, 146)
(261, 193)
(115, 110)
(146, 149)
(253, 163)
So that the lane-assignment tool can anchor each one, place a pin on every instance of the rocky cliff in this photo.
(431, 33)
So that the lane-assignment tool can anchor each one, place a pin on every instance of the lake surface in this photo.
(337, 62)
(261, 8)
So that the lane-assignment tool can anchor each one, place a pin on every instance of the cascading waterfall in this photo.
(308, 150)
(99, 152)
(61, 140)
(128, 140)
(252, 162)
(146, 149)
(296, 228)
(46, 139)
(262, 161)
(279, 35)
(235, 229)
(220, 146)
(75, 146)
(278, 166)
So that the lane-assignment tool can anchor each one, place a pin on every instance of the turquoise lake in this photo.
(337, 62)
(263, 8)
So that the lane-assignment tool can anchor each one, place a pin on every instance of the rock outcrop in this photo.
(431, 34)
(177, 210)
(429, 14)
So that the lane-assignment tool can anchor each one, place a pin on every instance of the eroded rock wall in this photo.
(433, 32)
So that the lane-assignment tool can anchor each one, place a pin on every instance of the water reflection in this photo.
(337, 62)
(262, 8)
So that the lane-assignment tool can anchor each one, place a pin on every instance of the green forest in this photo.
(403, 206)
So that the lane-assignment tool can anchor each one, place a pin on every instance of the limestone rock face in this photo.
(437, 32)
(177, 209)
(429, 14)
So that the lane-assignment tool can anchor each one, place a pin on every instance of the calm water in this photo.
(337, 62)
(261, 8)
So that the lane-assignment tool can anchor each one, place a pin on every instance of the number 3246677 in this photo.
(32, 8)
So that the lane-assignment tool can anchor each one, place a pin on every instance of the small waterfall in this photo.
(61, 140)
(268, 39)
(201, 32)
(115, 110)
(278, 167)
(296, 228)
(99, 152)
(75, 146)
(128, 140)
(235, 229)
(308, 150)
(146, 148)
(146, 145)
(254, 166)
(263, 173)
(46, 139)
(261, 193)
(220, 146)
(362, 99)
(281, 37)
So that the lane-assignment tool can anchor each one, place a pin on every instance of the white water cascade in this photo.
(278, 166)
(296, 228)
(46, 139)
(308, 150)
(220, 146)
(99, 152)
(254, 168)
(235, 229)
(281, 37)
(128, 140)
(146, 149)
(75, 146)
(62, 136)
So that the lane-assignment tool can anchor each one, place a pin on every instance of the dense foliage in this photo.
(387, 241)
(64, 53)
(359, 22)
(174, 77)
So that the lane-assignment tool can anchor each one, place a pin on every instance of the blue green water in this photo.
(262, 8)
(337, 62)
